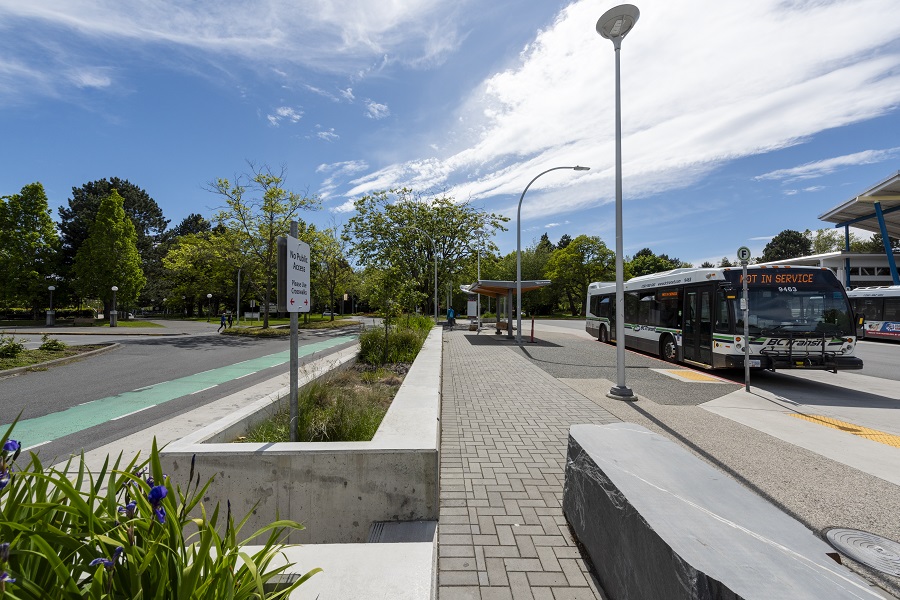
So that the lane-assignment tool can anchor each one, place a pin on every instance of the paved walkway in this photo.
(504, 433)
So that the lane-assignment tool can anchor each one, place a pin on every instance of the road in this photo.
(146, 380)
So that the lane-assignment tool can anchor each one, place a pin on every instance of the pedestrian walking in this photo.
(222, 324)
(230, 319)
(450, 317)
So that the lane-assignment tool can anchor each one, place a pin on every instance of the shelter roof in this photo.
(860, 210)
(492, 288)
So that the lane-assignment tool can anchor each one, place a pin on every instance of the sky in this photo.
(739, 119)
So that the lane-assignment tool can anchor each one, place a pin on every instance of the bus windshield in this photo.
(781, 311)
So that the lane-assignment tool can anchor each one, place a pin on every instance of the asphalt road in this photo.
(85, 401)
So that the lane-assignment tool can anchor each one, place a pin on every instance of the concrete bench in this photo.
(83, 321)
(659, 523)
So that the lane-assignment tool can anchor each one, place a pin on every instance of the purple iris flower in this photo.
(129, 509)
(4, 552)
(12, 446)
(156, 495)
(5, 477)
(108, 564)
(5, 578)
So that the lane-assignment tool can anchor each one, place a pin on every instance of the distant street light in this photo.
(209, 313)
(51, 316)
(614, 25)
(165, 310)
(519, 249)
(113, 315)
(184, 305)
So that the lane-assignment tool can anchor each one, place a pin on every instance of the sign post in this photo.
(296, 286)
(743, 255)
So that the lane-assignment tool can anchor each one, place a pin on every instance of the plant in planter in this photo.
(126, 532)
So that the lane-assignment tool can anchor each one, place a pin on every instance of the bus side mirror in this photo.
(860, 320)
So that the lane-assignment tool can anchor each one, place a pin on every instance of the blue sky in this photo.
(740, 119)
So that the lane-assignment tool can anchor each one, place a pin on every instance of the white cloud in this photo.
(85, 78)
(830, 165)
(348, 94)
(285, 113)
(328, 135)
(687, 108)
(335, 175)
(374, 110)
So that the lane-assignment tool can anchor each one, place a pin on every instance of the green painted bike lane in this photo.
(41, 430)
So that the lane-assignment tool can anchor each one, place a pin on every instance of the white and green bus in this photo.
(799, 318)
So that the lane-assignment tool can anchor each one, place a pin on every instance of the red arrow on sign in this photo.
(306, 302)
(292, 301)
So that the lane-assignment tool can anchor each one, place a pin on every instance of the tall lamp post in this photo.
(209, 309)
(614, 25)
(519, 249)
(165, 310)
(113, 315)
(51, 316)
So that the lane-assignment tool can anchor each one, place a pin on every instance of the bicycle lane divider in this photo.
(51, 427)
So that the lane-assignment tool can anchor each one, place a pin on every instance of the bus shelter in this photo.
(503, 289)
(876, 210)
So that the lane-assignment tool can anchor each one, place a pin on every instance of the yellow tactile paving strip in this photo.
(864, 432)
(689, 375)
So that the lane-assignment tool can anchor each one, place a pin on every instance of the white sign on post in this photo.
(297, 276)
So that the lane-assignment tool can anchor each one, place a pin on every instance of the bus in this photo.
(880, 305)
(799, 317)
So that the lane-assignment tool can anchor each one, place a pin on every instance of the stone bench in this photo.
(659, 523)
(83, 321)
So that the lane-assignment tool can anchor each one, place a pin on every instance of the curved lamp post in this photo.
(519, 250)
(209, 301)
(614, 25)
(113, 315)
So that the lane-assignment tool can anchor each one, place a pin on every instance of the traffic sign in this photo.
(743, 254)
(297, 276)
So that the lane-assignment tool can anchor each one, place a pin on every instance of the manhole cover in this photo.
(867, 548)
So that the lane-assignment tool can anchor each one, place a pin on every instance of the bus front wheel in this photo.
(668, 351)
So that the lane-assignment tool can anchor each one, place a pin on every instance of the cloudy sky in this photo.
(740, 119)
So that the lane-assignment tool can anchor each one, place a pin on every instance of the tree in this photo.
(29, 248)
(726, 263)
(586, 259)
(109, 256)
(145, 214)
(873, 245)
(785, 245)
(333, 271)
(259, 210)
(706, 265)
(645, 262)
(564, 241)
(397, 227)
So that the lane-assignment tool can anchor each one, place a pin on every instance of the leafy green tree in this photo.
(109, 256)
(787, 244)
(564, 241)
(333, 271)
(29, 247)
(145, 214)
(706, 265)
(388, 228)
(873, 245)
(725, 262)
(586, 259)
(259, 210)
(646, 262)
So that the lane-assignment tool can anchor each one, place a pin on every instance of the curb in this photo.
(63, 332)
(57, 361)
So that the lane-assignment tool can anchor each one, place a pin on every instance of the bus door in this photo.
(697, 331)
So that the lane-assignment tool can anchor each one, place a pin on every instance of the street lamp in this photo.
(165, 310)
(519, 249)
(209, 313)
(113, 315)
(614, 25)
(51, 316)
(184, 305)
(479, 233)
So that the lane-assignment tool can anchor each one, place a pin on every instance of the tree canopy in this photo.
(787, 244)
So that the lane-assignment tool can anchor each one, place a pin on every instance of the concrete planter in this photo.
(337, 489)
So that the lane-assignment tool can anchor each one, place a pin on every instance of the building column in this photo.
(887, 244)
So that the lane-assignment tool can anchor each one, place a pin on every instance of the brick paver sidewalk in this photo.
(504, 431)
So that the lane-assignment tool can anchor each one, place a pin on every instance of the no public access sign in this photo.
(297, 276)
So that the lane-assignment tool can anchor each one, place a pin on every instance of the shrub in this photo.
(401, 344)
(10, 347)
(124, 533)
(50, 345)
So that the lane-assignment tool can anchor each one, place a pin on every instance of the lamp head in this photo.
(617, 22)
(209, 295)
(580, 168)
(115, 288)
(51, 288)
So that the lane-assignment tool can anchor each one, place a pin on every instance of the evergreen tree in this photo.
(109, 256)
(785, 245)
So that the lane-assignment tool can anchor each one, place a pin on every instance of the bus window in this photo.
(892, 309)
(668, 309)
(723, 320)
(646, 310)
(595, 305)
(871, 307)
(631, 307)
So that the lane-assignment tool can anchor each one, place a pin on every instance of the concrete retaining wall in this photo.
(337, 489)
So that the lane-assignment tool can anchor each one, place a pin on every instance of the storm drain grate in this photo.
(867, 548)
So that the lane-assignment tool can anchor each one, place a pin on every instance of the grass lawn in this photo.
(282, 328)
(32, 357)
(128, 323)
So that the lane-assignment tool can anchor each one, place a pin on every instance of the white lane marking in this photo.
(203, 390)
(133, 412)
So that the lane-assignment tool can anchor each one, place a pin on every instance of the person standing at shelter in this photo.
(230, 319)
(222, 324)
